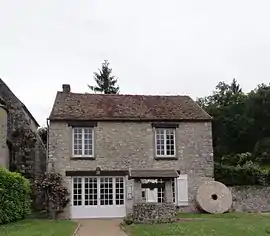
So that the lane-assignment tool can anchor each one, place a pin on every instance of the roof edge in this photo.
(131, 120)
(23, 106)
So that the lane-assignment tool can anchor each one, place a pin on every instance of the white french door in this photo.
(98, 197)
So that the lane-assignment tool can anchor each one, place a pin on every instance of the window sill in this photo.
(82, 158)
(166, 158)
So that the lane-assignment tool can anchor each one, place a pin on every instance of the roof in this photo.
(76, 106)
(162, 173)
(7, 91)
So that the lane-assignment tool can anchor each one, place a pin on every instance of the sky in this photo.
(153, 46)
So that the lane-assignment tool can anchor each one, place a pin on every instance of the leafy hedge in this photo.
(14, 196)
(241, 175)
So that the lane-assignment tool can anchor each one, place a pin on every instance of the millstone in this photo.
(214, 197)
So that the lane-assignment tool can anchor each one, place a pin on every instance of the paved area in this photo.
(100, 227)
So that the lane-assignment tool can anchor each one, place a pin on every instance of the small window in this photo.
(83, 142)
(165, 142)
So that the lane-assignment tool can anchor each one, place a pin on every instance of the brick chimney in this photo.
(66, 88)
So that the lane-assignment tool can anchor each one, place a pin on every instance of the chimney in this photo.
(66, 88)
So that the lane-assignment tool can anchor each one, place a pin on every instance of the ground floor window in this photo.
(157, 195)
(93, 191)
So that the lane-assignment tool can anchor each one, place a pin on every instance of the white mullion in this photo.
(83, 190)
(114, 191)
(165, 140)
(72, 190)
(174, 144)
(82, 141)
(98, 191)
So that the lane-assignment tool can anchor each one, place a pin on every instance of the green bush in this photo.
(262, 150)
(237, 159)
(241, 175)
(14, 196)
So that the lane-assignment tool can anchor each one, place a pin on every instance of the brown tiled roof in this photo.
(75, 106)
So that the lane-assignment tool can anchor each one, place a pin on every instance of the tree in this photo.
(231, 126)
(43, 134)
(106, 83)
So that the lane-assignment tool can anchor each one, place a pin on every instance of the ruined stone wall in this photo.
(251, 198)
(4, 153)
(24, 147)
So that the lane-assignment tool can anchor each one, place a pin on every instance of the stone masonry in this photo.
(154, 212)
(18, 129)
(251, 198)
(124, 145)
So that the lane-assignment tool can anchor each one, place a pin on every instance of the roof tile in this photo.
(75, 106)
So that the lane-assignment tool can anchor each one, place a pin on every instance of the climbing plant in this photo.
(53, 192)
(22, 142)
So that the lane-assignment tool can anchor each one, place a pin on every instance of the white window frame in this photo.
(165, 146)
(98, 191)
(93, 136)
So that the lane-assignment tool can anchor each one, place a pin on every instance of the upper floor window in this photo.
(165, 142)
(83, 142)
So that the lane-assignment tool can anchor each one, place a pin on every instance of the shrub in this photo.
(262, 150)
(237, 159)
(14, 196)
(128, 220)
(55, 196)
(241, 175)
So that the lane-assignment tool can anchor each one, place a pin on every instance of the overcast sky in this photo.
(154, 47)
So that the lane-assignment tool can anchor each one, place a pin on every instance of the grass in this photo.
(231, 224)
(38, 228)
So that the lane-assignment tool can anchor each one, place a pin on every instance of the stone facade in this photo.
(4, 152)
(20, 146)
(124, 145)
(154, 212)
(251, 198)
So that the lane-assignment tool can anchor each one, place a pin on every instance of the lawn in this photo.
(38, 228)
(208, 225)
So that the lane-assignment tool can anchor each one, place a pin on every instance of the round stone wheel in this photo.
(214, 197)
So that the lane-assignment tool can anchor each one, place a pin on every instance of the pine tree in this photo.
(106, 83)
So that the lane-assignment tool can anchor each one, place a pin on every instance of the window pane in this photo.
(77, 191)
(106, 191)
(160, 142)
(90, 191)
(119, 191)
(88, 141)
(77, 141)
(165, 142)
(170, 146)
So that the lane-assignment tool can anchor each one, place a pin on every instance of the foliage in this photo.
(21, 142)
(14, 196)
(237, 159)
(55, 194)
(39, 228)
(262, 150)
(105, 82)
(240, 120)
(128, 220)
(241, 175)
(43, 134)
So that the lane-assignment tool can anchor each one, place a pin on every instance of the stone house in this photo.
(21, 149)
(110, 149)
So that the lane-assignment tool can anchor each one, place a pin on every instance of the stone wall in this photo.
(4, 153)
(251, 198)
(154, 212)
(21, 136)
(124, 145)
